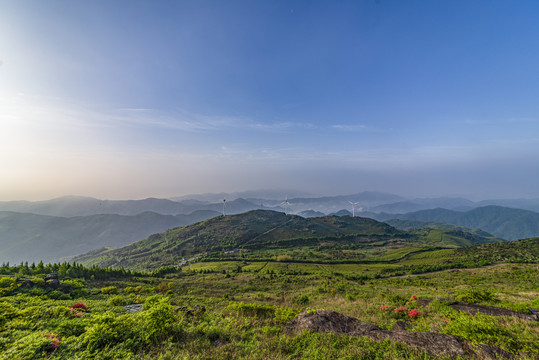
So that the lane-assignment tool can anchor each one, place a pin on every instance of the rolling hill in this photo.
(503, 222)
(31, 237)
(263, 235)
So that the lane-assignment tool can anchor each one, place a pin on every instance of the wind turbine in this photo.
(354, 204)
(286, 204)
(224, 206)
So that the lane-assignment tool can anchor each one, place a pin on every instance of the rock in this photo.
(483, 309)
(51, 276)
(402, 326)
(327, 321)
(133, 307)
(27, 284)
(219, 343)
(199, 308)
(489, 310)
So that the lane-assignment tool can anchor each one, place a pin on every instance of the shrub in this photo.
(31, 346)
(284, 314)
(158, 317)
(58, 295)
(109, 290)
(303, 300)
(108, 330)
(118, 300)
(75, 285)
(252, 309)
(476, 296)
(6, 282)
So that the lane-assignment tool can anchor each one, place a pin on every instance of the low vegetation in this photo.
(238, 309)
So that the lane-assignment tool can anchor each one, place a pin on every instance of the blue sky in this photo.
(130, 99)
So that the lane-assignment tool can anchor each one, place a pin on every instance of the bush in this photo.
(303, 300)
(109, 290)
(32, 346)
(285, 314)
(58, 295)
(476, 296)
(6, 282)
(108, 330)
(75, 285)
(158, 317)
(118, 300)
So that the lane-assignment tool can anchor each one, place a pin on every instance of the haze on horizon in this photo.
(131, 99)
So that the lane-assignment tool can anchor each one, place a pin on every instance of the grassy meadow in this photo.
(238, 309)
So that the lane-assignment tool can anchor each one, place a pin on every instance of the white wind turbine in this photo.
(286, 204)
(354, 204)
(224, 206)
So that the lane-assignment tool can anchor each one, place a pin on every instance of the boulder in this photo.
(327, 321)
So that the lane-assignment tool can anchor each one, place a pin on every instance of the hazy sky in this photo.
(130, 99)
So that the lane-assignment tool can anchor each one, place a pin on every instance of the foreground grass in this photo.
(246, 306)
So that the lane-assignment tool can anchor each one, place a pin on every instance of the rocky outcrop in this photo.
(327, 321)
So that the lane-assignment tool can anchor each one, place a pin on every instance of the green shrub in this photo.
(109, 290)
(284, 314)
(58, 295)
(158, 317)
(32, 346)
(252, 309)
(6, 282)
(476, 296)
(107, 330)
(118, 300)
(75, 285)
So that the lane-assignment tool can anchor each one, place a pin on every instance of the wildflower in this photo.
(80, 305)
(402, 308)
(384, 307)
(414, 313)
(55, 341)
(446, 320)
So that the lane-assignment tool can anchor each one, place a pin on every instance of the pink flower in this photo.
(80, 305)
(384, 307)
(414, 313)
(55, 341)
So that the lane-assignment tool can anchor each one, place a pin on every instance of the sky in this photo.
(129, 99)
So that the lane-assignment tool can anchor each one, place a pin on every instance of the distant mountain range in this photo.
(68, 206)
(503, 222)
(31, 237)
(72, 224)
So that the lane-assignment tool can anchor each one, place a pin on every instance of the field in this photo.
(238, 309)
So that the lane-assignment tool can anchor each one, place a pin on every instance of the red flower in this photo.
(384, 307)
(402, 308)
(80, 305)
(414, 313)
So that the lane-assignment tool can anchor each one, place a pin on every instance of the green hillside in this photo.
(503, 222)
(264, 235)
(31, 237)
